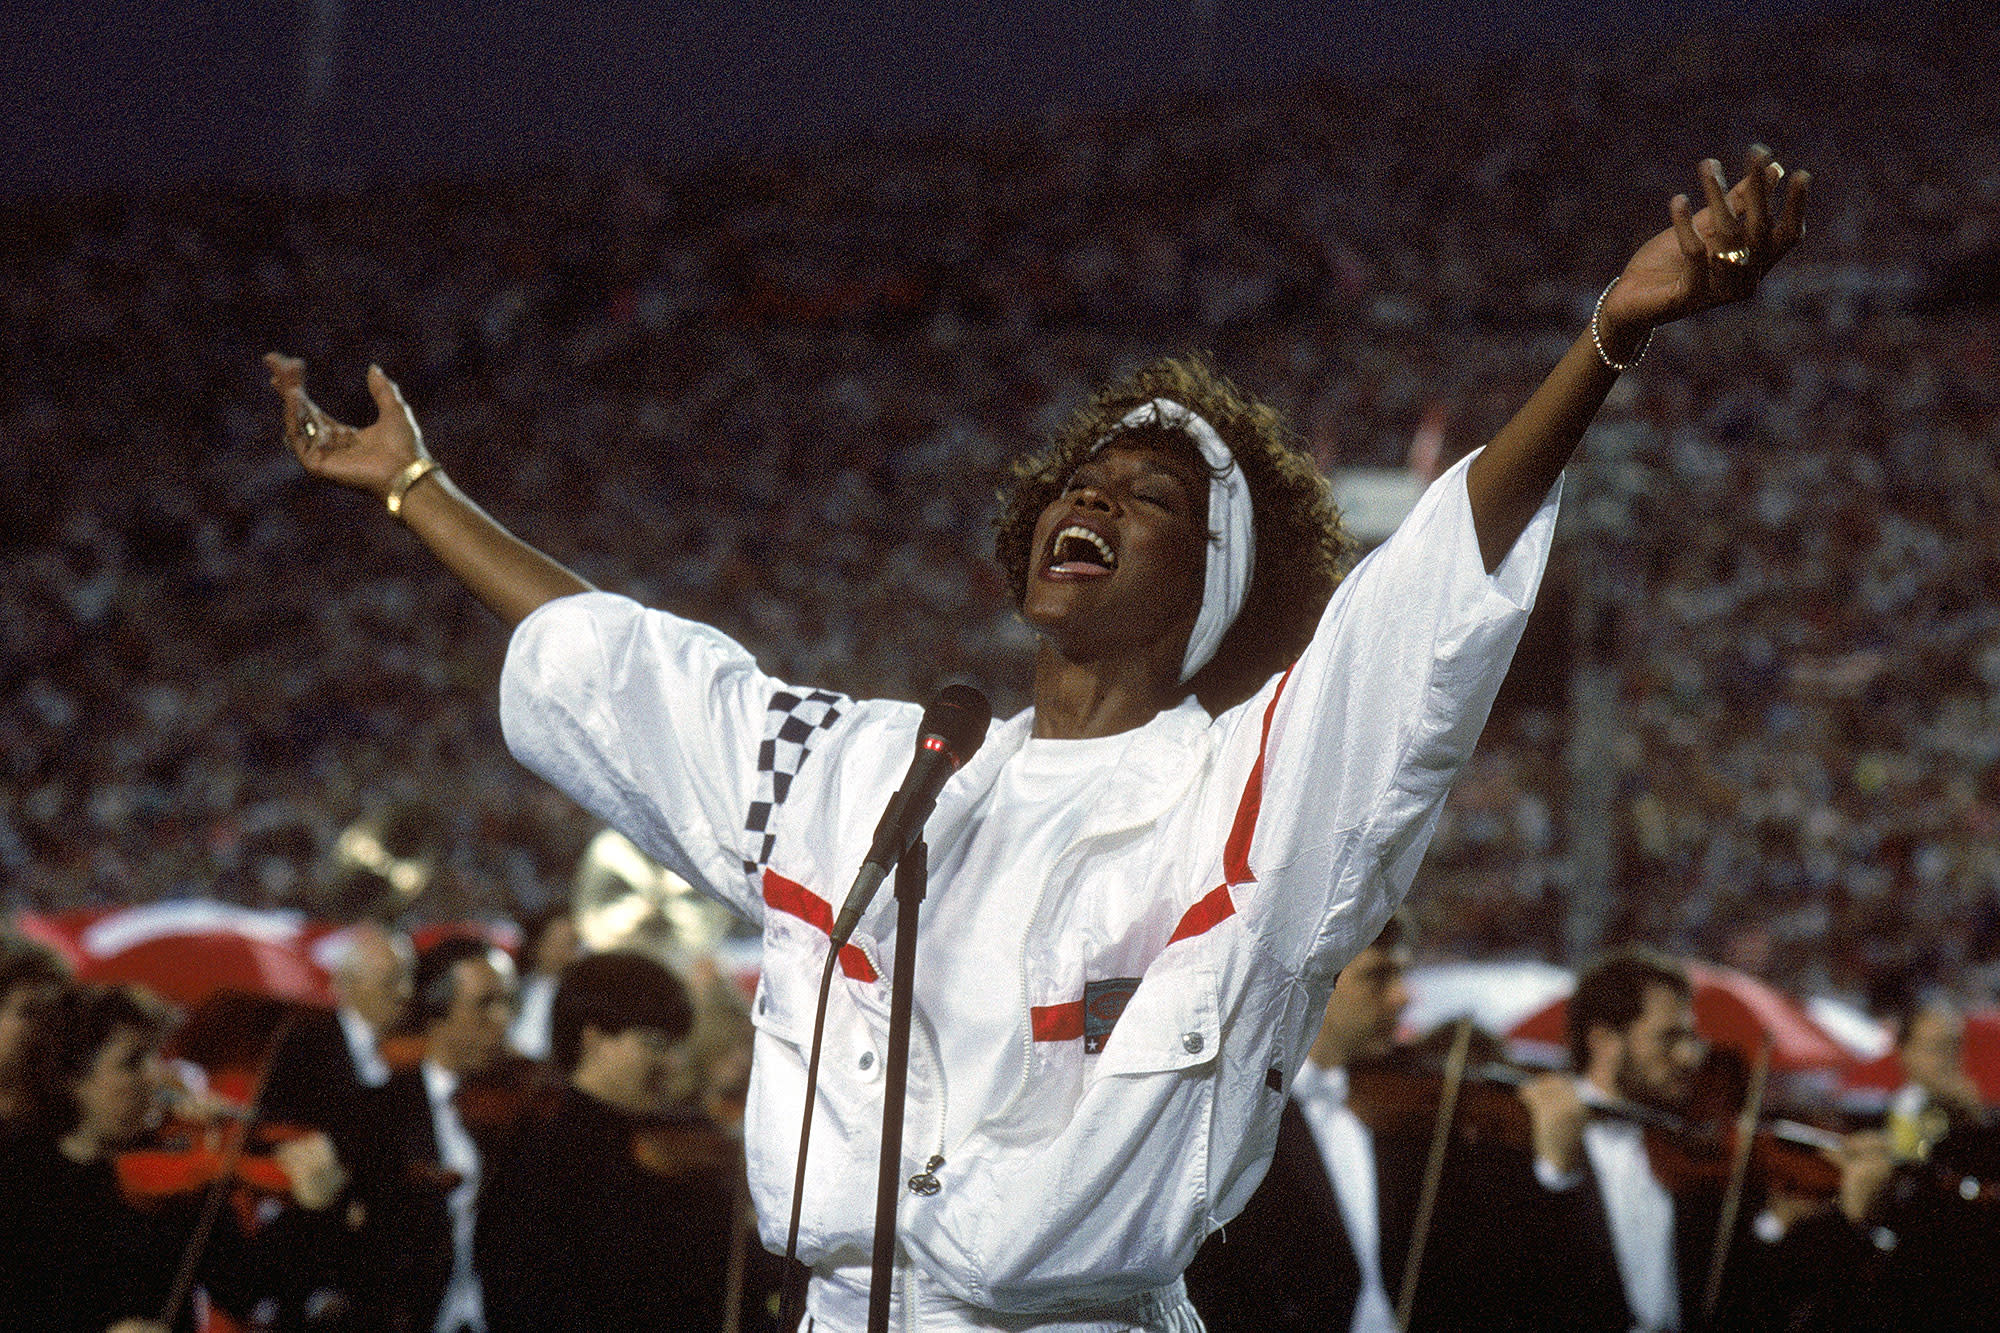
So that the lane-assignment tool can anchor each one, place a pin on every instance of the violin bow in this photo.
(1739, 1174)
(218, 1190)
(1454, 1079)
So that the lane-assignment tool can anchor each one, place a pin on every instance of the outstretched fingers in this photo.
(1729, 234)
(288, 377)
(1681, 210)
(1756, 193)
(305, 428)
(1724, 227)
(1791, 224)
(388, 398)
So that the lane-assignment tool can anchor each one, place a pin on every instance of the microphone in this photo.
(953, 728)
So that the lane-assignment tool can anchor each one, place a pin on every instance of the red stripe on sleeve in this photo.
(794, 899)
(1236, 852)
(797, 900)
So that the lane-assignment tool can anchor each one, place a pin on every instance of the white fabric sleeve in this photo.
(1374, 723)
(650, 722)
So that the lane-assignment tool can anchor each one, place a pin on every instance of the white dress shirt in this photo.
(1347, 1148)
(531, 1028)
(463, 1306)
(362, 1048)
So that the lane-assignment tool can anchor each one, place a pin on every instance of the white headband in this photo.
(1232, 545)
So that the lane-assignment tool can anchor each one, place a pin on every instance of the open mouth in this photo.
(1079, 552)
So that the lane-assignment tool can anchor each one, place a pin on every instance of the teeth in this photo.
(1082, 533)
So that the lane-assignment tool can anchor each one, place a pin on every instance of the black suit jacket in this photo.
(1570, 1269)
(1287, 1262)
(409, 1244)
(313, 1081)
(576, 1235)
(407, 1253)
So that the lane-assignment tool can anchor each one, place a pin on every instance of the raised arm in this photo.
(1701, 260)
(386, 460)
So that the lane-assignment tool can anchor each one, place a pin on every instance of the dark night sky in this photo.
(148, 91)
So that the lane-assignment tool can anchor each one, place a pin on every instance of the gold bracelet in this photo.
(408, 477)
(1614, 367)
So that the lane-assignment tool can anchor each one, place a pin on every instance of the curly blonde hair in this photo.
(1303, 549)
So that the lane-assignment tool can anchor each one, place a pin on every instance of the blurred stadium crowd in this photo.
(776, 394)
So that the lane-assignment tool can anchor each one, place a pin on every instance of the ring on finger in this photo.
(1737, 258)
(308, 427)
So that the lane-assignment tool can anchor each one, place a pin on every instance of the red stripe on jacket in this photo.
(795, 899)
(1057, 1022)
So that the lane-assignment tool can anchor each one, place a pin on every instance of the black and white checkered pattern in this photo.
(792, 723)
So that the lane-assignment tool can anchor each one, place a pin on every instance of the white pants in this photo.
(1162, 1310)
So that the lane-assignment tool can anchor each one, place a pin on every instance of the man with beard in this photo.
(1610, 1246)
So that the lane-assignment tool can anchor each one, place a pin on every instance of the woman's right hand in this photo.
(368, 458)
(510, 576)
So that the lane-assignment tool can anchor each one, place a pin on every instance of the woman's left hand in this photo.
(1708, 258)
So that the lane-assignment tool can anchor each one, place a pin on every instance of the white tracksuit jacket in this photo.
(1231, 867)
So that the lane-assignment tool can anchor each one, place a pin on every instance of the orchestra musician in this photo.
(328, 1060)
(1914, 1241)
(613, 1212)
(438, 1119)
(1322, 1245)
(79, 1251)
(1610, 1245)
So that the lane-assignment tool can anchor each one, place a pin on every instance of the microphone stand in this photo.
(911, 875)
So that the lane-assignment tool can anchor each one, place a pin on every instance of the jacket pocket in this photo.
(788, 981)
(1171, 1023)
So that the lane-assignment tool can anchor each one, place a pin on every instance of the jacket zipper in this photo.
(925, 1182)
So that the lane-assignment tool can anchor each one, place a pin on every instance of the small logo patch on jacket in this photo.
(1103, 1002)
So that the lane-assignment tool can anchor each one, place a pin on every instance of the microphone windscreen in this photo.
(959, 715)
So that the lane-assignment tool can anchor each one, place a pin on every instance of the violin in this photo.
(185, 1155)
(402, 1050)
(1785, 1156)
(226, 1172)
(1701, 1143)
(491, 1102)
(1401, 1094)
(678, 1143)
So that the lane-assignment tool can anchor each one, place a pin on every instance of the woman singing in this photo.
(1144, 886)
